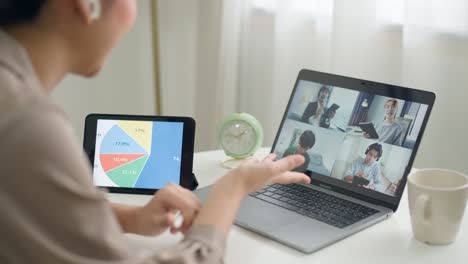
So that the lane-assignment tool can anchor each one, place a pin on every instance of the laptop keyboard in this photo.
(315, 204)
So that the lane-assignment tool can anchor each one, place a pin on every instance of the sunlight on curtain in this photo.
(226, 56)
(391, 12)
(416, 43)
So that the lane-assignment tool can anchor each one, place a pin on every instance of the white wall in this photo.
(190, 65)
(126, 85)
(274, 45)
(178, 35)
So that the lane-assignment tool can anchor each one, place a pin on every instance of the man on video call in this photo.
(367, 168)
(306, 142)
(314, 110)
(326, 118)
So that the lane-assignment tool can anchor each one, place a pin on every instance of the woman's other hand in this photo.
(228, 192)
(159, 214)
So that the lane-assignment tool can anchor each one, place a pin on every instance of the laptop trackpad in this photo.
(258, 214)
(264, 216)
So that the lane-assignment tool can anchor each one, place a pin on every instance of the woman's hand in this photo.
(159, 214)
(254, 174)
(228, 192)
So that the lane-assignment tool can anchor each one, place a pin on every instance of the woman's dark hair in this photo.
(13, 12)
(307, 139)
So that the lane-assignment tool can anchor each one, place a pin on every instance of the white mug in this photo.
(437, 200)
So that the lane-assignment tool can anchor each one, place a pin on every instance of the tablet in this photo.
(369, 128)
(360, 181)
(139, 154)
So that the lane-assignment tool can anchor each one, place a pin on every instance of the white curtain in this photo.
(248, 54)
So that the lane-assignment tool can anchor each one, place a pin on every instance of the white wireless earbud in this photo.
(95, 8)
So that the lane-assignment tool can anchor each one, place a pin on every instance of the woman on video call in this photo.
(52, 213)
(389, 130)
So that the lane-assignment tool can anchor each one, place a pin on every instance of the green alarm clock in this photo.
(240, 135)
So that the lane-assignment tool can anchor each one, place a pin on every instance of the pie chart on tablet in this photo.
(137, 154)
(125, 150)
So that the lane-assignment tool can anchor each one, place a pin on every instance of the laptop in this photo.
(356, 181)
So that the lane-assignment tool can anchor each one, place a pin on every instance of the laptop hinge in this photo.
(355, 195)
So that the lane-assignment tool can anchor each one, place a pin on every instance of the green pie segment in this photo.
(127, 175)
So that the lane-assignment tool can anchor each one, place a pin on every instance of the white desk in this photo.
(390, 241)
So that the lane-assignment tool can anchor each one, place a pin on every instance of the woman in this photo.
(389, 130)
(52, 213)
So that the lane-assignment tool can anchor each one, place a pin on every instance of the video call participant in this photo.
(389, 130)
(306, 142)
(314, 110)
(367, 167)
(326, 118)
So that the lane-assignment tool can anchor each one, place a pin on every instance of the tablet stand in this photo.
(193, 183)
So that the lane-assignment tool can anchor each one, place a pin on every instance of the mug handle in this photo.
(422, 209)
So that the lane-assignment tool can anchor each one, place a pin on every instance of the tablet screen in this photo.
(137, 154)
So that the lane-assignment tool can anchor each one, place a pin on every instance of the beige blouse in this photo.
(50, 210)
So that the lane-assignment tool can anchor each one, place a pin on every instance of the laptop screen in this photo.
(353, 138)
